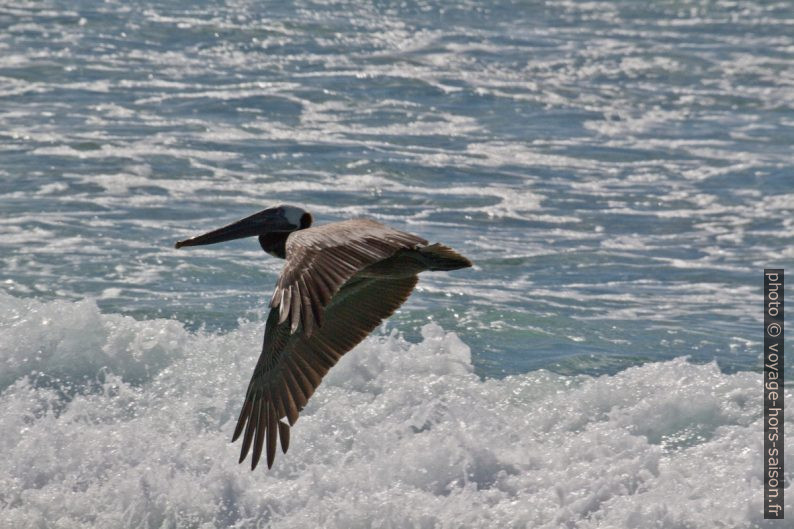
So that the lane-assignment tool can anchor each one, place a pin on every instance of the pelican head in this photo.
(272, 225)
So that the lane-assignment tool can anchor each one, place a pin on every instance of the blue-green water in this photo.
(619, 172)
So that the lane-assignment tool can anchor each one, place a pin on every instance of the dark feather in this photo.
(260, 436)
(249, 430)
(271, 436)
(283, 434)
(242, 419)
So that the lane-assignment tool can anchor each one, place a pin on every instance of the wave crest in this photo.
(399, 434)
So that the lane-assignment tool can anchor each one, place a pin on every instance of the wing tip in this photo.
(263, 432)
(439, 257)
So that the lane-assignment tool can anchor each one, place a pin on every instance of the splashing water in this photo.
(130, 427)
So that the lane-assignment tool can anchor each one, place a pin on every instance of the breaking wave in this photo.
(109, 421)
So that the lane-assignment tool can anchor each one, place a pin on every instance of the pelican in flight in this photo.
(340, 280)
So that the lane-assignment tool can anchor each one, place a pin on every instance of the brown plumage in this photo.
(340, 281)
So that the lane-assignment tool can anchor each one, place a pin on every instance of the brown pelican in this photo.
(339, 282)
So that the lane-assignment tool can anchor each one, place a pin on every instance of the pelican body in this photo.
(339, 282)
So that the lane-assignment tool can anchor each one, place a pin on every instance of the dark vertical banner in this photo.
(773, 393)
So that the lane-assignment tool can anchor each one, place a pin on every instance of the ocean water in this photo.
(619, 172)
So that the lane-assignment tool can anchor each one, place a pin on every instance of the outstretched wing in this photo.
(320, 260)
(292, 365)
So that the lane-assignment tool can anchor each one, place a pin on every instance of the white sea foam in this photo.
(112, 422)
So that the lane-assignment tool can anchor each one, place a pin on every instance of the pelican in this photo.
(340, 280)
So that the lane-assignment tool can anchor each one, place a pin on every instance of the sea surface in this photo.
(619, 172)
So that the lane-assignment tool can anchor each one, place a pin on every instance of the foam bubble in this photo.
(398, 435)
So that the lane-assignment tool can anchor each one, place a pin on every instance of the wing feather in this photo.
(284, 304)
(249, 430)
(321, 259)
(283, 434)
(306, 307)
(292, 366)
(241, 420)
(259, 437)
(295, 307)
(291, 408)
(295, 389)
(272, 434)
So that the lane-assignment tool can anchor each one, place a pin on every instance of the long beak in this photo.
(266, 221)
